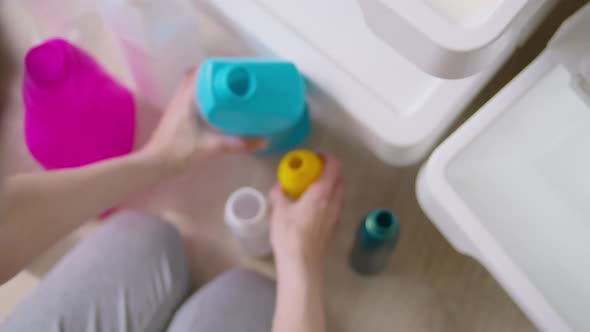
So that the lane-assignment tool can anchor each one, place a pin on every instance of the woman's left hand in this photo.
(182, 138)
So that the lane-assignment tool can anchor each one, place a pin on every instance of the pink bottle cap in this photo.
(46, 62)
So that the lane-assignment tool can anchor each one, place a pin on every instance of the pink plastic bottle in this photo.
(76, 113)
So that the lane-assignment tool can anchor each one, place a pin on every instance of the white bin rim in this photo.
(438, 45)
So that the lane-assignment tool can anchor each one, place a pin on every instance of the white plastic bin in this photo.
(396, 108)
(511, 187)
(451, 38)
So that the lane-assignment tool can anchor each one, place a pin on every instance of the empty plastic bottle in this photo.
(375, 240)
(76, 113)
(159, 41)
(255, 97)
(246, 216)
(298, 170)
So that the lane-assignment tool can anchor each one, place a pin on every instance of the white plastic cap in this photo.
(246, 216)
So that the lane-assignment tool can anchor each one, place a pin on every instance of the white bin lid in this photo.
(449, 38)
(512, 186)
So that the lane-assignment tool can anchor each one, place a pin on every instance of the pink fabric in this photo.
(76, 113)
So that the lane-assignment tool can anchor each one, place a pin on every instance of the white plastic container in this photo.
(74, 20)
(66, 18)
(363, 85)
(246, 216)
(511, 187)
(159, 41)
(451, 38)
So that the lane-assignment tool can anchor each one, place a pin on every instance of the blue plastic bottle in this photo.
(375, 240)
(255, 97)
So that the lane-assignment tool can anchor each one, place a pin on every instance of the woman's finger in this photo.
(336, 202)
(323, 187)
(277, 196)
(216, 143)
(252, 144)
(183, 97)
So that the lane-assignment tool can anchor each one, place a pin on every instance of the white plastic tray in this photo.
(396, 109)
(511, 187)
(504, 188)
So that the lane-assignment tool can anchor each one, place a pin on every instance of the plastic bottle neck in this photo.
(245, 210)
(382, 224)
(234, 83)
(47, 65)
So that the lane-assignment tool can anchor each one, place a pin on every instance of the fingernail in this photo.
(263, 144)
(235, 142)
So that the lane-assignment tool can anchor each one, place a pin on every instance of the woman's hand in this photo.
(182, 138)
(301, 230)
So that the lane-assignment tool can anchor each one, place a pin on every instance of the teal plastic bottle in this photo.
(255, 97)
(375, 240)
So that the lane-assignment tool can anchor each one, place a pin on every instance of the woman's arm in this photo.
(300, 234)
(38, 209)
(300, 301)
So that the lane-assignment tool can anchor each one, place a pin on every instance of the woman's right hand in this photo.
(301, 230)
(182, 138)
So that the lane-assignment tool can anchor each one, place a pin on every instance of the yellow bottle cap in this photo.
(298, 170)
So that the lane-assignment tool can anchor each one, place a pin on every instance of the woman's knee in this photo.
(134, 258)
(143, 241)
(147, 231)
(246, 279)
(248, 296)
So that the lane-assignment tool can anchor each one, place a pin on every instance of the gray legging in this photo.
(132, 275)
